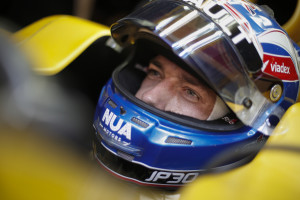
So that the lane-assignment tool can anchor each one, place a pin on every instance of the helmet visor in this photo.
(209, 51)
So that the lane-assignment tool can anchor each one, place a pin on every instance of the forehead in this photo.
(174, 70)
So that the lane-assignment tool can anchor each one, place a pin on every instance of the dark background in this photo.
(15, 14)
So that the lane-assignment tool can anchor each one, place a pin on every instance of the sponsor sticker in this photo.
(172, 177)
(115, 127)
(281, 67)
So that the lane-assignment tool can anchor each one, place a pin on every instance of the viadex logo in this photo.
(281, 67)
(279, 58)
(115, 127)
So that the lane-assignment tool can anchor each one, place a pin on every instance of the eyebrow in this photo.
(189, 79)
(156, 63)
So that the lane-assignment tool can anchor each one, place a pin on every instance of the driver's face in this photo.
(170, 88)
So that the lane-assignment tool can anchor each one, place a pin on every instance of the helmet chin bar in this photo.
(149, 149)
(121, 165)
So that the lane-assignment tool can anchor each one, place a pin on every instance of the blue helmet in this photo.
(233, 46)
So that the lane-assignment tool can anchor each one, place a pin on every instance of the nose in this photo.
(160, 94)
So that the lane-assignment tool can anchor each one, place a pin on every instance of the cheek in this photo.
(181, 106)
(204, 109)
(199, 110)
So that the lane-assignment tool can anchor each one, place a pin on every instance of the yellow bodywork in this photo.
(54, 42)
(292, 25)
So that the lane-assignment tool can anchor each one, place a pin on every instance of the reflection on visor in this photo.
(212, 54)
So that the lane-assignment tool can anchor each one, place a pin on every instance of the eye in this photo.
(153, 73)
(191, 95)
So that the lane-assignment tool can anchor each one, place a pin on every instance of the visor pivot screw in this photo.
(276, 92)
(272, 121)
(122, 110)
(247, 102)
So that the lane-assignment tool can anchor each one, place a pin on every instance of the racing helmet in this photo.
(233, 46)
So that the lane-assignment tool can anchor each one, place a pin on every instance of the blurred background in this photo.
(16, 14)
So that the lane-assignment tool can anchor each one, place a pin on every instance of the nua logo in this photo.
(116, 126)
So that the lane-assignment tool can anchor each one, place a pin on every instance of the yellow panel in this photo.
(54, 42)
(37, 167)
(292, 25)
(273, 174)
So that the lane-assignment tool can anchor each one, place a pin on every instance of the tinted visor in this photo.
(210, 52)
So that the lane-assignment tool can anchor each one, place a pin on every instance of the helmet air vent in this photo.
(125, 156)
(139, 122)
(176, 140)
(112, 104)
